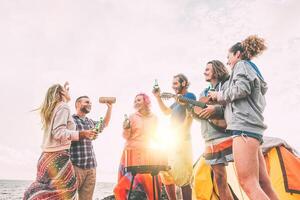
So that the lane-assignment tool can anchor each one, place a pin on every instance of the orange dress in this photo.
(137, 136)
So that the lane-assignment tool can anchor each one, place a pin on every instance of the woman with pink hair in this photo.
(138, 131)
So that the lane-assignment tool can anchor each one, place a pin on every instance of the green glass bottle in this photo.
(99, 125)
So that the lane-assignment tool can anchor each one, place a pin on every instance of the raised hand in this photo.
(156, 92)
(109, 105)
(66, 85)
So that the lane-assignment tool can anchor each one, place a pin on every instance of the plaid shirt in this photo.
(82, 152)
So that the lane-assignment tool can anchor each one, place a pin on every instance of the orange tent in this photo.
(283, 165)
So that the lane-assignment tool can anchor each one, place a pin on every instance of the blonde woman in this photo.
(55, 174)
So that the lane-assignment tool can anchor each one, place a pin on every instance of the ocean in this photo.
(14, 189)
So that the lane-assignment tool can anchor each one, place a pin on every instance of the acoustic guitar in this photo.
(218, 123)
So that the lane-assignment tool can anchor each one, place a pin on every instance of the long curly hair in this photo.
(251, 47)
(53, 96)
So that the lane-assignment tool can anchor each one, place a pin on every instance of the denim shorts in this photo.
(257, 136)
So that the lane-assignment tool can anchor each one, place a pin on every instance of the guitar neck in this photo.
(193, 102)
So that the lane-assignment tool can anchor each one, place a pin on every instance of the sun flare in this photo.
(164, 139)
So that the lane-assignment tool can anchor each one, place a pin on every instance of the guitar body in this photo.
(215, 120)
(219, 123)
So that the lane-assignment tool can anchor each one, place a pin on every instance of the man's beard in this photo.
(84, 110)
(179, 89)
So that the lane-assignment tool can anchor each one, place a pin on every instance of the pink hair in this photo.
(146, 99)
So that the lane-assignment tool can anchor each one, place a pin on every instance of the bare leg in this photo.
(170, 189)
(264, 179)
(220, 177)
(245, 153)
(186, 192)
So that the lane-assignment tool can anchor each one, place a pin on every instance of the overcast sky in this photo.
(117, 48)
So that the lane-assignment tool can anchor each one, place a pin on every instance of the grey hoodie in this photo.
(245, 100)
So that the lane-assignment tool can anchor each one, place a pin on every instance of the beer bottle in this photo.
(126, 123)
(155, 86)
(99, 126)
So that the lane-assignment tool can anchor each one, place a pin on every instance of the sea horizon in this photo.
(13, 189)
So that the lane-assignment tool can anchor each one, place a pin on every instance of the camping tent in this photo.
(283, 165)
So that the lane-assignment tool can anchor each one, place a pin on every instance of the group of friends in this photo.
(67, 166)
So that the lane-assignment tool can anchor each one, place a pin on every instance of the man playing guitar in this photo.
(218, 151)
(180, 158)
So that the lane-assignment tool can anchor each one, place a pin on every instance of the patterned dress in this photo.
(55, 178)
(55, 173)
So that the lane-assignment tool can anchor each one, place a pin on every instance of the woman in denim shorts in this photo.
(245, 102)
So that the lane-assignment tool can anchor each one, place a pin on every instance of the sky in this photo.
(117, 48)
